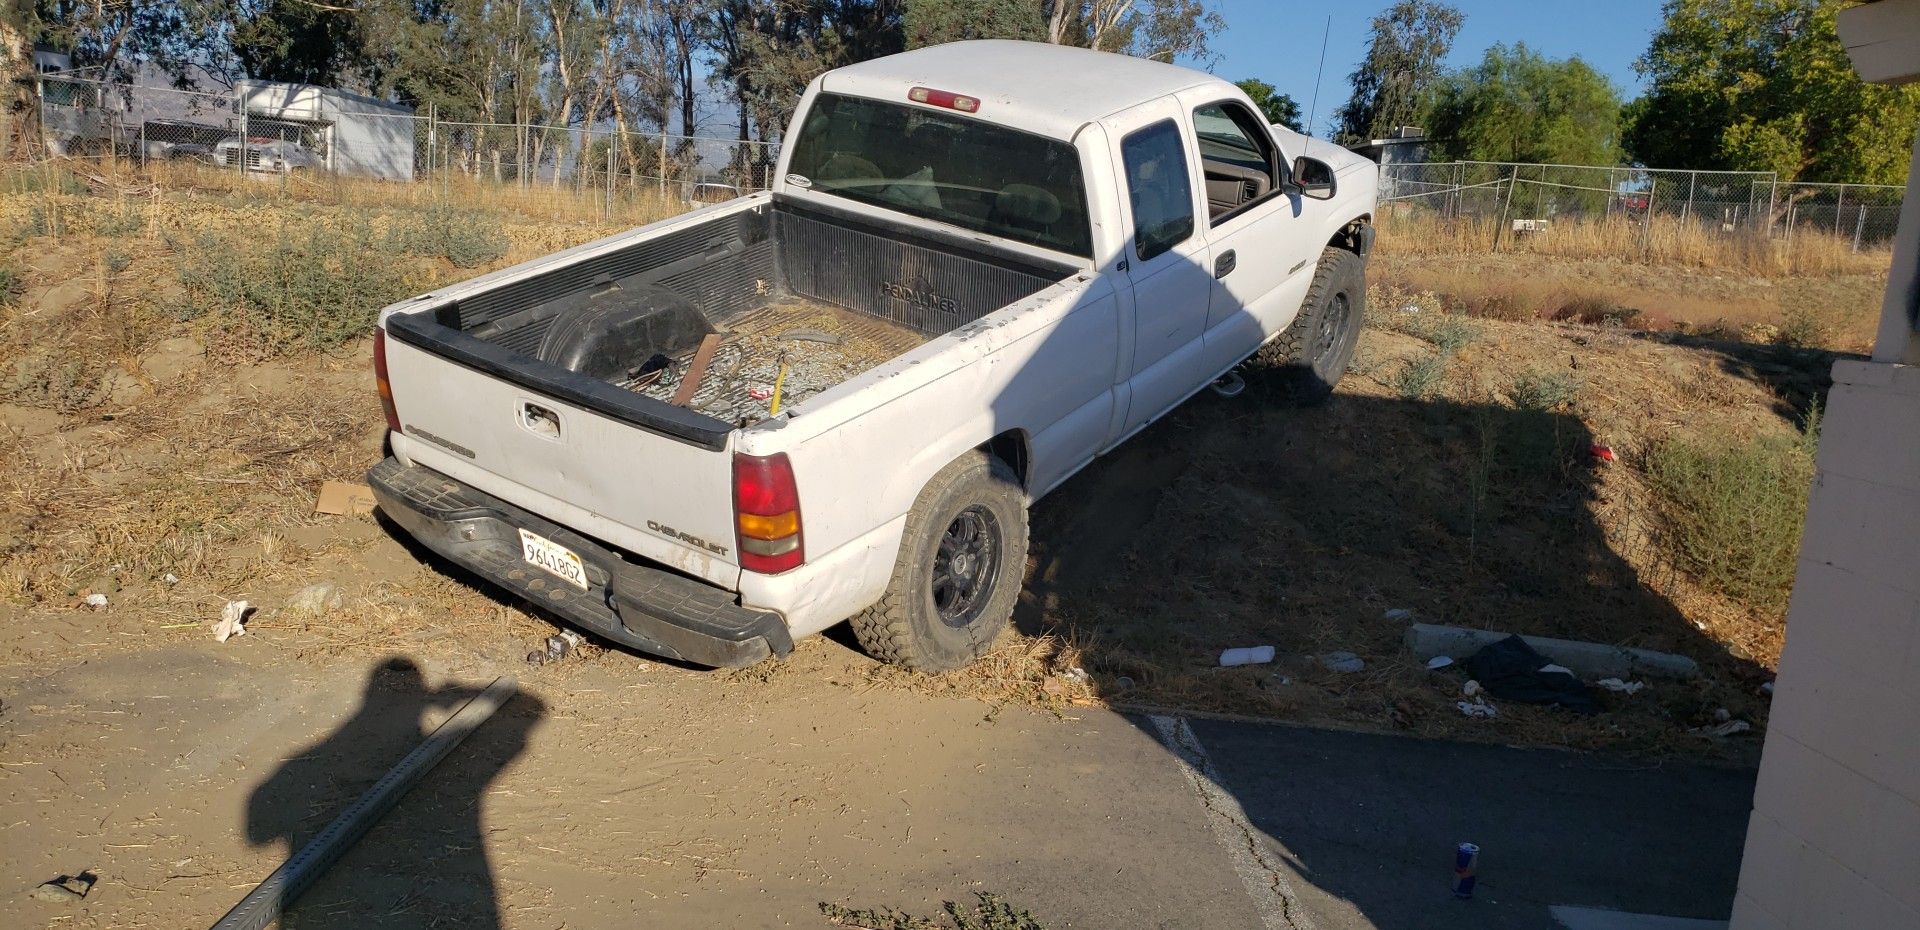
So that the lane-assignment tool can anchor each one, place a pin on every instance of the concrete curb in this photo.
(1588, 660)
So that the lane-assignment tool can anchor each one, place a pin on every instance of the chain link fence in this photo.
(266, 129)
(1627, 209)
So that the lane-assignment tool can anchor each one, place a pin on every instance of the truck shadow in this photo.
(1249, 522)
(425, 863)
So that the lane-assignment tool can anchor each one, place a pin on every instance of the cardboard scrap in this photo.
(341, 497)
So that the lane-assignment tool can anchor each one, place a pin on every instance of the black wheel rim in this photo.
(965, 566)
(1333, 330)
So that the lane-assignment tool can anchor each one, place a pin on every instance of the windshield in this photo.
(943, 167)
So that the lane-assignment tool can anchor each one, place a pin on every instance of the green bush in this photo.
(1802, 327)
(1735, 506)
(467, 238)
(1448, 332)
(1543, 390)
(1419, 377)
(303, 286)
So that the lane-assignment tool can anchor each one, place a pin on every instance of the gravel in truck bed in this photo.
(738, 384)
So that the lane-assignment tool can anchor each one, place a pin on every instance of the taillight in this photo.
(766, 507)
(944, 98)
(380, 378)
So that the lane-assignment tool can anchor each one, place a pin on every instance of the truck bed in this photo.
(818, 345)
(615, 330)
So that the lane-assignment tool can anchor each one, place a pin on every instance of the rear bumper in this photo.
(646, 608)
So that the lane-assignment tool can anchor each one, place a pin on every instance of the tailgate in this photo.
(638, 473)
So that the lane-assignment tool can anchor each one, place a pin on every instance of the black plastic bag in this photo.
(1510, 669)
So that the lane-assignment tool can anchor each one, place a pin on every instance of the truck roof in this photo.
(1049, 90)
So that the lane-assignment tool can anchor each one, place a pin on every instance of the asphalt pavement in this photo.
(1360, 829)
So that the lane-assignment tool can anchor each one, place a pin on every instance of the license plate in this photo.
(554, 559)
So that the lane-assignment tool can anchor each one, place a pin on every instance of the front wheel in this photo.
(1314, 351)
(958, 574)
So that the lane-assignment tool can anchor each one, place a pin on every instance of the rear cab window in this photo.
(1159, 188)
(945, 167)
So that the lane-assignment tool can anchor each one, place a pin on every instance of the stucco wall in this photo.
(1834, 841)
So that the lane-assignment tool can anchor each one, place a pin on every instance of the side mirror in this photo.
(1314, 178)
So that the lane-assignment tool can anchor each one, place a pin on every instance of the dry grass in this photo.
(1836, 312)
(1666, 241)
(146, 464)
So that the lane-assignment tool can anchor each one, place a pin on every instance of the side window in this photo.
(1159, 187)
(1238, 155)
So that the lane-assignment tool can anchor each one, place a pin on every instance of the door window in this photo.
(1238, 156)
(1159, 187)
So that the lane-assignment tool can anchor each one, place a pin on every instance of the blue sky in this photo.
(1278, 41)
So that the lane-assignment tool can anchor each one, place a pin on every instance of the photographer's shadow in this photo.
(426, 861)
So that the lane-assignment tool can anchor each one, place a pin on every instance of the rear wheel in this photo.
(1313, 353)
(958, 573)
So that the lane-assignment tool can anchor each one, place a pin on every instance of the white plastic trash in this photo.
(232, 621)
(1439, 662)
(1246, 655)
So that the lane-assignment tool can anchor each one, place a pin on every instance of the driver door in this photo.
(1165, 256)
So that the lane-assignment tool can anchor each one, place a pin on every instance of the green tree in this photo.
(1404, 51)
(297, 41)
(1163, 30)
(1280, 109)
(931, 22)
(1764, 85)
(1517, 105)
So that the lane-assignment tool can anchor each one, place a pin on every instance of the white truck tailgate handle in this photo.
(540, 421)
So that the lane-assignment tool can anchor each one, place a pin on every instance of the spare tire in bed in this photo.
(613, 332)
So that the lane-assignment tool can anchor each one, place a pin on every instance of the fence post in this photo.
(240, 151)
(433, 137)
(663, 160)
(1693, 184)
(613, 165)
(1773, 202)
(1859, 227)
(1839, 203)
(1793, 210)
(1500, 228)
(1646, 222)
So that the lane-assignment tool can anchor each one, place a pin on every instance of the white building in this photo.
(1834, 841)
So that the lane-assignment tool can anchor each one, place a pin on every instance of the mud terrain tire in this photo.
(961, 563)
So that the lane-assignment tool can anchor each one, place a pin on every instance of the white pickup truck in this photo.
(981, 266)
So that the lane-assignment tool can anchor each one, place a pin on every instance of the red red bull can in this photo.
(1466, 857)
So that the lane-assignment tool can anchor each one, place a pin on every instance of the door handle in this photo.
(1225, 263)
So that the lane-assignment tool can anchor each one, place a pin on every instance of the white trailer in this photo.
(351, 134)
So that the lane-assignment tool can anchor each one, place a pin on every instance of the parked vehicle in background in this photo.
(178, 139)
(265, 153)
(981, 266)
(712, 190)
